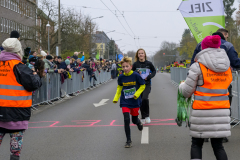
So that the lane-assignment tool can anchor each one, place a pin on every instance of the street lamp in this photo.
(59, 30)
(48, 26)
(90, 46)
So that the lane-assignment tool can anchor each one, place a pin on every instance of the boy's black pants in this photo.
(135, 120)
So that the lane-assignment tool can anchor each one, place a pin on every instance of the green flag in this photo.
(97, 56)
(203, 17)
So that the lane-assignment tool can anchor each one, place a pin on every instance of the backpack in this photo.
(25, 77)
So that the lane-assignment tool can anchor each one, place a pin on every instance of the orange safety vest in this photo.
(213, 94)
(12, 94)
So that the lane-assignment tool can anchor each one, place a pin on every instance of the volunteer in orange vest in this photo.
(209, 78)
(15, 100)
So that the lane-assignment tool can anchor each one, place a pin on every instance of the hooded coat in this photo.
(207, 123)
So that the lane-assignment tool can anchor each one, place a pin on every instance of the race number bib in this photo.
(144, 72)
(129, 93)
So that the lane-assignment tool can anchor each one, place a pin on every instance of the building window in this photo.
(17, 6)
(1, 24)
(1, 2)
(9, 4)
(9, 26)
(6, 26)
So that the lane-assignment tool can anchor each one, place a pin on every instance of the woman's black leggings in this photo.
(145, 102)
(218, 149)
(135, 120)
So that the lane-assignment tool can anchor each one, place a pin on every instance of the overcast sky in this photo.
(152, 28)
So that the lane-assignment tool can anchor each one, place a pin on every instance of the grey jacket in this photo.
(48, 65)
(207, 123)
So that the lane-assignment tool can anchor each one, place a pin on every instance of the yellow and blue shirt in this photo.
(129, 85)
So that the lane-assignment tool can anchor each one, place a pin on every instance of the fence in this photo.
(179, 74)
(53, 89)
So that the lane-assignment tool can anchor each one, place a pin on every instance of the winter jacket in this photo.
(207, 123)
(63, 65)
(48, 65)
(148, 65)
(228, 47)
(88, 69)
(76, 57)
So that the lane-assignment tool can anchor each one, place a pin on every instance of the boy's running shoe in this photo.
(128, 144)
(143, 121)
(148, 120)
(140, 126)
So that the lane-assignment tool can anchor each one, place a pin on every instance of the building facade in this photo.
(102, 40)
(19, 15)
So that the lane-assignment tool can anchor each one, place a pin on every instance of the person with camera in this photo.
(17, 82)
(75, 56)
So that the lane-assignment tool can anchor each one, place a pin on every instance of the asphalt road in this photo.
(77, 130)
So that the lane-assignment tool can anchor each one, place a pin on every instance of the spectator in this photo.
(49, 66)
(59, 61)
(40, 57)
(33, 53)
(15, 113)
(65, 65)
(114, 70)
(15, 34)
(32, 60)
(73, 65)
(75, 55)
(44, 54)
(55, 60)
(227, 46)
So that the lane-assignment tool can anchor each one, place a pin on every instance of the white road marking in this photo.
(101, 103)
(145, 135)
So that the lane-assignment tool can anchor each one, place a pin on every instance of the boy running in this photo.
(130, 87)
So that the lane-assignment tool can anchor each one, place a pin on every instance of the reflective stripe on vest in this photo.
(208, 98)
(216, 91)
(17, 98)
(213, 94)
(11, 87)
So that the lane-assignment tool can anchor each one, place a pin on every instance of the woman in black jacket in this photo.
(147, 71)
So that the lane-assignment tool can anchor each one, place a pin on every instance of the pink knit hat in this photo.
(211, 42)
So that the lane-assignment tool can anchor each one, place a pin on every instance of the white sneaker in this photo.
(143, 121)
(148, 120)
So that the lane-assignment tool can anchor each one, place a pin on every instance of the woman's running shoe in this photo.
(148, 120)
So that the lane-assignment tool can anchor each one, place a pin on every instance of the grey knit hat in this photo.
(13, 45)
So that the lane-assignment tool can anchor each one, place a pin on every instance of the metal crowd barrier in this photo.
(53, 89)
(179, 74)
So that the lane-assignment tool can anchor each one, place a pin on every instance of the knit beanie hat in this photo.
(31, 56)
(14, 34)
(211, 42)
(43, 53)
(49, 57)
(13, 45)
(67, 61)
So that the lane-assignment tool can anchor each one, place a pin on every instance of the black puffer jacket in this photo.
(148, 65)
